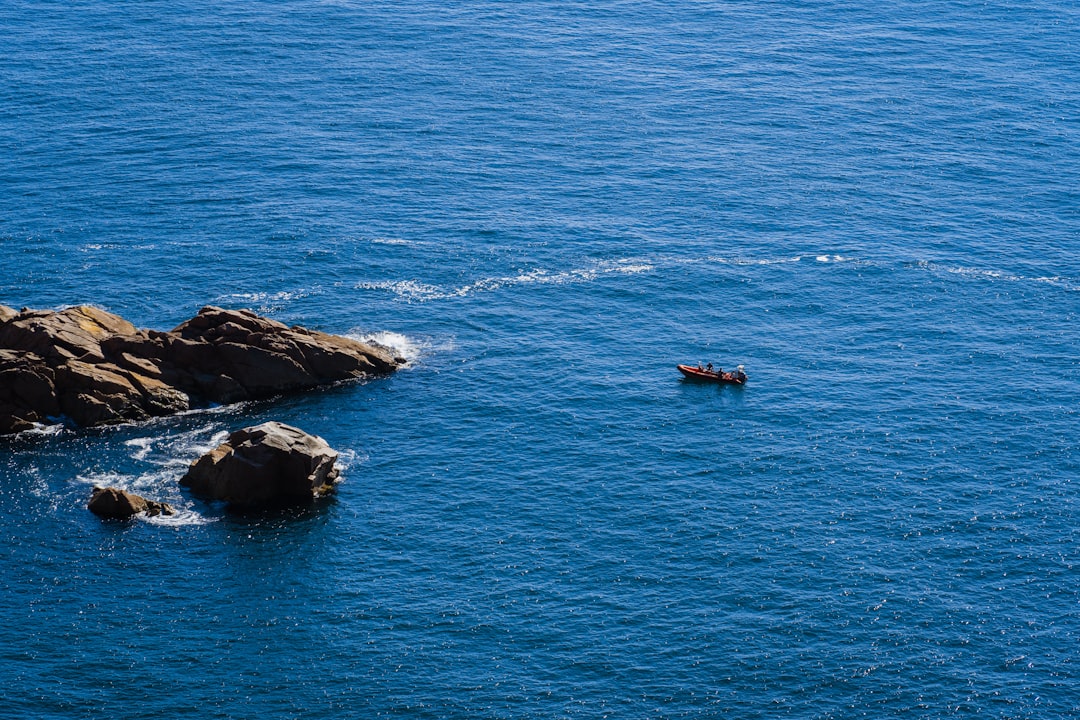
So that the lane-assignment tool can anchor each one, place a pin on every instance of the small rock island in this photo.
(112, 503)
(265, 465)
(95, 368)
(272, 465)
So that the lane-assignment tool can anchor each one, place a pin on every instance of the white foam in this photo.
(538, 277)
(142, 445)
(413, 290)
(265, 302)
(1070, 284)
(1066, 283)
(107, 479)
(407, 289)
(981, 273)
(45, 430)
(972, 272)
(212, 410)
(627, 267)
(182, 517)
(347, 458)
(401, 345)
(634, 269)
(262, 297)
(755, 261)
(88, 247)
(191, 447)
(168, 457)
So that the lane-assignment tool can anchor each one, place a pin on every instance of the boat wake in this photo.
(1065, 283)
(265, 303)
(416, 291)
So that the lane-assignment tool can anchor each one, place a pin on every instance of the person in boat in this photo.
(708, 367)
(699, 366)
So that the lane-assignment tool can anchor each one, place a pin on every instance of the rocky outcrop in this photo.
(271, 464)
(96, 368)
(116, 504)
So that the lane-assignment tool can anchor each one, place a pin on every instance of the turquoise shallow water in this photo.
(546, 206)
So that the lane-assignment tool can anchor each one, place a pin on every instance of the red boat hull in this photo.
(694, 373)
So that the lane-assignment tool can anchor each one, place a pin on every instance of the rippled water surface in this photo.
(545, 207)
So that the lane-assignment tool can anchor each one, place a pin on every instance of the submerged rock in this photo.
(97, 368)
(116, 504)
(271, 464)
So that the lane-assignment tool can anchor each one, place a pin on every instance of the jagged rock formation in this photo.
(116, 504)
(96, 368)
(265, 465)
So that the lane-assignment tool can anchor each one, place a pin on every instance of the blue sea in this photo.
(545, 206)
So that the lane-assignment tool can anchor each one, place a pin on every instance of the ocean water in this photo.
(546, 206)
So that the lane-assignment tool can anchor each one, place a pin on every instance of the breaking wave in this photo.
(159, 485)
(412, 349)
(160, 461)
(401, 345)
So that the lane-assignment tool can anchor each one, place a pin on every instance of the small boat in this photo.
(704, 375)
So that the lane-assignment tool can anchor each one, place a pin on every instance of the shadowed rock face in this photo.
(271, 464)
(116, 504)
(97, 368)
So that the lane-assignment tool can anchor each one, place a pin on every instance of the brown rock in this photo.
(88, 410)
(159, 398)
(224, 389)
(26, 377)
(74, 332)
(143, 366)
(265, 465)
(116, 504)
(13, 420)
(336, 356)
(27, 391)
(98, 368)
(101, 324)
(145, 345)
(262, 372)
(98, 394)
(104, 378)
(210, 318)
(265, 357)
(192, 355)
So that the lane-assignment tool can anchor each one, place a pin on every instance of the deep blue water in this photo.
(874, 206)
